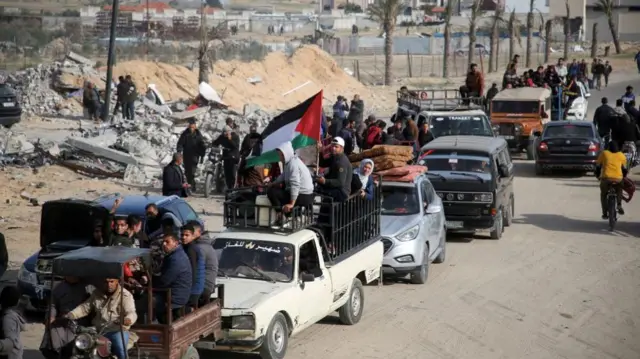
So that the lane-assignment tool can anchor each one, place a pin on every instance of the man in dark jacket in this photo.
(173, 179)
(230, 143)
(603, 117)
(538, 77)
(120, 91)
(196, 259)
(356, 111)
(176, 275)
(633, 112)
(424, 136)
(347, 134)
(205, 244)
(336, 182)
(130, 98)
(249, 141)
(191, 145)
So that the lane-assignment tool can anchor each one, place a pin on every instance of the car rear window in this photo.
(569, 131)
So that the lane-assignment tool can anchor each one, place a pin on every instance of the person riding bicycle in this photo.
(602, 118)
(611, 170)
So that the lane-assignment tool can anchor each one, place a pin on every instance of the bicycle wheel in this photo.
(611, 205)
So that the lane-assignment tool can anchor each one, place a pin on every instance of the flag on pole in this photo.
(300, 125)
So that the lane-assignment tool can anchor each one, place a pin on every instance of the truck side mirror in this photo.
(307, 277)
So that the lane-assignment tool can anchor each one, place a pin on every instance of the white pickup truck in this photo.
(277, 284)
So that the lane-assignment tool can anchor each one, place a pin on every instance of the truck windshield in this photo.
(450, 163)
(460, 125)
(399, 201)
(259, 260)
(520, 107)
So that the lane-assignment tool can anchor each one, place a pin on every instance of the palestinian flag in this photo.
(300, 125)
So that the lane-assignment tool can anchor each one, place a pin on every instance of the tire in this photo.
(276, 339)
(420, 276)
(539, 170)
(510, 213)
(611, 207)
(496, 233)
(351, 312)
(443, 254)
(208, 184)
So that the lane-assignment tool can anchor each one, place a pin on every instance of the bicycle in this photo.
(612, 204)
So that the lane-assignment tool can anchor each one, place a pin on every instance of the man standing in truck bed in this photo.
(473, 84)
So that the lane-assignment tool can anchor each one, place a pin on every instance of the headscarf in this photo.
(360, 172)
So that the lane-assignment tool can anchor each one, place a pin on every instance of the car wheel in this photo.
(443, 244)
(208, 184)
(277, 339)
(510, 213)
(421, 274)
(539, 170)
(496, 232)
(351, 312)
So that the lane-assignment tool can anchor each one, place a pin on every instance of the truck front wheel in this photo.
(351, 311)
(276, 340)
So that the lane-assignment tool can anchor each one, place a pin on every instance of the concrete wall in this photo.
(577, 8)
(367, 45)
(627, 23)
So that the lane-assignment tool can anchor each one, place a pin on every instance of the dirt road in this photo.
(557, 285)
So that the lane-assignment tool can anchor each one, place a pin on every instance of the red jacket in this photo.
(374, 136)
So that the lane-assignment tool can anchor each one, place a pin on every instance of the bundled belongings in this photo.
(402, 174)
(384, 157)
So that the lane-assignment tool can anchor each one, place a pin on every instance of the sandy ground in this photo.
(558, 285)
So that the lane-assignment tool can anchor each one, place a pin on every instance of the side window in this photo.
(185, 212)
(428, 192)
(309, 260)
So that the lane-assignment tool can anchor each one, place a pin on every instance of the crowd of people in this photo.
(126, 95)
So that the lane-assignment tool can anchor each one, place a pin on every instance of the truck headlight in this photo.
(243, 322)
(518, 127)
(26, 276)
(483, 197)
(410, 234)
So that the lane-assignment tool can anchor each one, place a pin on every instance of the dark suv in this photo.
(10, 110)
(67, 224)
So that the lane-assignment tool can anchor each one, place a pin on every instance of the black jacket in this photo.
(230, 147)
(603, 118)
(626, 131)
(633, 113)
(491, 93)
(356, 111)
(192, 145)
(248, 143)
(121, 91)
(132, 94)
(424, 138)
(172, 181)
(340, 172)
(538, 79)
(335, 128)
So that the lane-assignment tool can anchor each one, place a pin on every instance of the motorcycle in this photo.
(90, 343)
(214, 179)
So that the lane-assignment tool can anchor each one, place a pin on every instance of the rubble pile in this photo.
(42, 90)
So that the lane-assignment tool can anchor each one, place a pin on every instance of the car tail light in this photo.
(593, 147)
(543, 146)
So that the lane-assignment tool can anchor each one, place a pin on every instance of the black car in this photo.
(10, 110)
(567, 145)
(474, 177)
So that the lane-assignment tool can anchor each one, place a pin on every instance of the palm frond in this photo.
(386, 12)
(476, 11)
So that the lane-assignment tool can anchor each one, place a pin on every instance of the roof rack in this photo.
(345, 227)
(437, 100)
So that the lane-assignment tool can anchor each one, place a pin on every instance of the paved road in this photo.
(558, 285)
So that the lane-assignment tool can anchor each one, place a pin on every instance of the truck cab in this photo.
(281, 280)
(446, 112)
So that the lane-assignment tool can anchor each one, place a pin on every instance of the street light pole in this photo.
(111, 57)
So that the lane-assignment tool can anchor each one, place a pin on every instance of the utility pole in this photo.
(203, 63)
(148, 29)
(111, 57)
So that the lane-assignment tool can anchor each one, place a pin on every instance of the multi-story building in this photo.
(626, 17)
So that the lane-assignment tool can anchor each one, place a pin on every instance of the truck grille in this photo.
(507, 129)
(387, 244)
(462, 211)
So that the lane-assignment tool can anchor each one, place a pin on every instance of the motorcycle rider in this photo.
(611, 169)
(629, 132)
(602, 117)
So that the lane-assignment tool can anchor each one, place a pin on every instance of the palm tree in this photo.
(567, 30)
(513, 25)
(547, 40)
(607, 6)
(448, 13)
(473, 25)
(594, 40)
(203, 59)
(532, 6)
(496, 20)
(386, 12)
